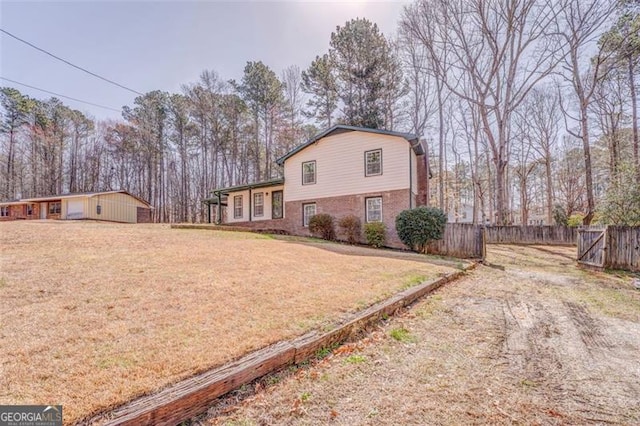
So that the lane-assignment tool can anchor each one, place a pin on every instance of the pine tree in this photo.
(362, 60)
(319, 81)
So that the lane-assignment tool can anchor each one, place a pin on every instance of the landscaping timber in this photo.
(232, 228)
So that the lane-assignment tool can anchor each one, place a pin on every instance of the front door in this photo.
(276, 205)
(43, 210)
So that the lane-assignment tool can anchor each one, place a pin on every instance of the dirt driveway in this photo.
(527, 339)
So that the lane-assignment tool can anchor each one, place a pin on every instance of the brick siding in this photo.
(18, 212)
(422, 175)
(393, 202)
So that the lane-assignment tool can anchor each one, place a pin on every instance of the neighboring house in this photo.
(462, 213)
(538, 219)
(115, 206)
(345, 170)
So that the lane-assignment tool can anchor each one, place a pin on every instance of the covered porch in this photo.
(247, 204)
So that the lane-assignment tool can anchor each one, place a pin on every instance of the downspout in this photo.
(427, 173)
(249, 204)
(410, 179)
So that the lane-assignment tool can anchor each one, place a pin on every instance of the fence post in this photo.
(605, 248)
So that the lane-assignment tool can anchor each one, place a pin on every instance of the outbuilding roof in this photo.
(341, 128)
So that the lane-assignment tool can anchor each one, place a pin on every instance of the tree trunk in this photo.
(524, 208)
(500, 193)
(428, 169)
(491, 192)
(634, 115)
(440, 145)
(549, 180)
(587, 164)
(10, 188)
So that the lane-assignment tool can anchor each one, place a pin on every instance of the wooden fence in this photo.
(592, 246)
(612, 247)
(461, 240)
(469, 241)
(553, 235)
(623, 248)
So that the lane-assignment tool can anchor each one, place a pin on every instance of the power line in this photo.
(58, 94)
(69, 63)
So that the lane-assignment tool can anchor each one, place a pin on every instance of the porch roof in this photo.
(226, 191)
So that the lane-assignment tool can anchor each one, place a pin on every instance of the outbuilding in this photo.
(114, 206)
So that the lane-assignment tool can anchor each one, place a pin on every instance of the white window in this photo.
(308, 172)
(258, 204)
(55, 208)
(373, 162)
(237, 206)
(374, 209)
(4, 211)
(308, 210)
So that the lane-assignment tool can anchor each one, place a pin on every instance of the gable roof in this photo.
(342, 128)
(72, 195)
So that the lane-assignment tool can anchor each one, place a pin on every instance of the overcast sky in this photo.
(149, 45)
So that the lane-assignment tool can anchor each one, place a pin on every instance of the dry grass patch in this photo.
(94, 314)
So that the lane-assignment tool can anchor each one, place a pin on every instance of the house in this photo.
(345, 170)
(115, 206)
(461, 213)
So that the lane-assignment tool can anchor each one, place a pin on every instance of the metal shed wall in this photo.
(116, 207)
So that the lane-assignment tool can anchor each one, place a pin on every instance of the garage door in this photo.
(75, 209)
(144, 215)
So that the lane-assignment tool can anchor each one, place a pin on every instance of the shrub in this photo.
(351, 227)
(417, 227)
(321, 225)
(560, 215)
(575, 220)
(375, 233)
(621, 204)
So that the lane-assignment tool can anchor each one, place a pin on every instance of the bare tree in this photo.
(542, 119)
(623, 42)
(291, 133)
(420, 102)
(16, 108)
(608, 106)
(471, 127)
(496, 53)
(419, 75)
(581, 22)
(526, 159)
(571, 177)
